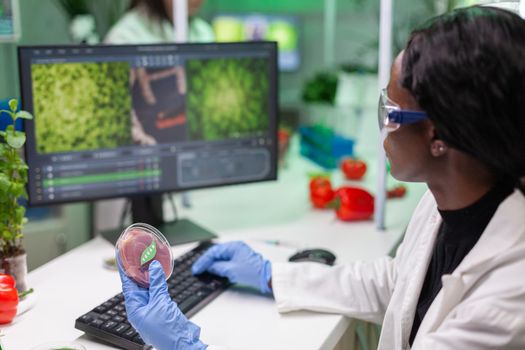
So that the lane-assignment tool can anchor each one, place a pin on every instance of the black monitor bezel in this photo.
(26, 91)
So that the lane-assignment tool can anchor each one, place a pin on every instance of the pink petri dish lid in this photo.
(139, 245)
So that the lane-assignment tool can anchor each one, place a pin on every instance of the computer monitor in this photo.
(284, 29)
(141, 120)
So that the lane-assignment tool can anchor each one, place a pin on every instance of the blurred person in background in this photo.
(151, 21)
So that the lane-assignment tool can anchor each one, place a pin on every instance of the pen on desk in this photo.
(276, 242)
(272, 241)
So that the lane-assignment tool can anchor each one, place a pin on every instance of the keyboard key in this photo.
(119, 329)
(118, 319)
(86, 318)
(100, 309)
(138, 340)
(119, 308)
(96, 323)
(105, 317)
(116, 299)
(109, 325)
(193, 288)
(107, 304)
(111, 313)
(190, 302)
(129, 334)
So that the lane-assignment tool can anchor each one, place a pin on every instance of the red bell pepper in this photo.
(8, 299)
(353, 203)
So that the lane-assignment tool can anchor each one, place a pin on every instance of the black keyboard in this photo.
(108, 320)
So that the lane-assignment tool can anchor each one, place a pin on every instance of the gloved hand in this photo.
(155, 316)
(238, 262)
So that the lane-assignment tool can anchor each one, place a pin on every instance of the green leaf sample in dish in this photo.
(137, 247)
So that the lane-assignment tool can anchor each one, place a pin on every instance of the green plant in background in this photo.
(227, 98)
(81, 106)
(321, 88)
(359, 68)
(13, 178)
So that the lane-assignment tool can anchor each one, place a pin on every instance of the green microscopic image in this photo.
(227, 98)
(81, 106)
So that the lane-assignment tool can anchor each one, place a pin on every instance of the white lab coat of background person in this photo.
(138, 27)
(480, 306)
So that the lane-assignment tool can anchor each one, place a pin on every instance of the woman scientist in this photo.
(454, 117)
(151, 21)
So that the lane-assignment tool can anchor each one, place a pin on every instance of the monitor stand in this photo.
(148, 209)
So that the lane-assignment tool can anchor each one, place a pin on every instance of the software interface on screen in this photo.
(113, 121)
(283, 29)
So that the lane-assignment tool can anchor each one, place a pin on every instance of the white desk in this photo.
(74, 283)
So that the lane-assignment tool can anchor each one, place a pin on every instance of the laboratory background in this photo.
(305, 172)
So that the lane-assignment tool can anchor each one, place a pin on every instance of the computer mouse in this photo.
(319, 255)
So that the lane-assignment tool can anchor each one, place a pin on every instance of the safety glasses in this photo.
(391, 116)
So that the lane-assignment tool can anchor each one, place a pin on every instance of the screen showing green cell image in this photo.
(227, 98)
(81, 106)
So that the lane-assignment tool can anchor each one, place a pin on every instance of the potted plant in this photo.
(13, 178)
(318, 94)
(356, 86)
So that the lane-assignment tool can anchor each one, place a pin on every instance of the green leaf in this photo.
(24, 115)
(4, 183)
(22, 295)
(16, 139)
(324, 174)
(20, 212)
(13, 104)
(16, 189)
(8, 235)
(148, 253)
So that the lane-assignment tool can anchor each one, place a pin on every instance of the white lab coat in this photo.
(481, 304)
(138, 27)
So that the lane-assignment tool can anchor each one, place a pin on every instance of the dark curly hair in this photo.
(466, 69)
(155, 8)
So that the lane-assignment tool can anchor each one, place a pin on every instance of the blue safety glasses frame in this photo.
(391, 116)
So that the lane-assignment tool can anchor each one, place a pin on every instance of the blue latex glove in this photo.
(155, 316)
(237, 262)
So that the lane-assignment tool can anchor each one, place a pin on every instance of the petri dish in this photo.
(139, 245)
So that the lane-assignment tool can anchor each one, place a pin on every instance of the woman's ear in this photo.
(437, 146)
